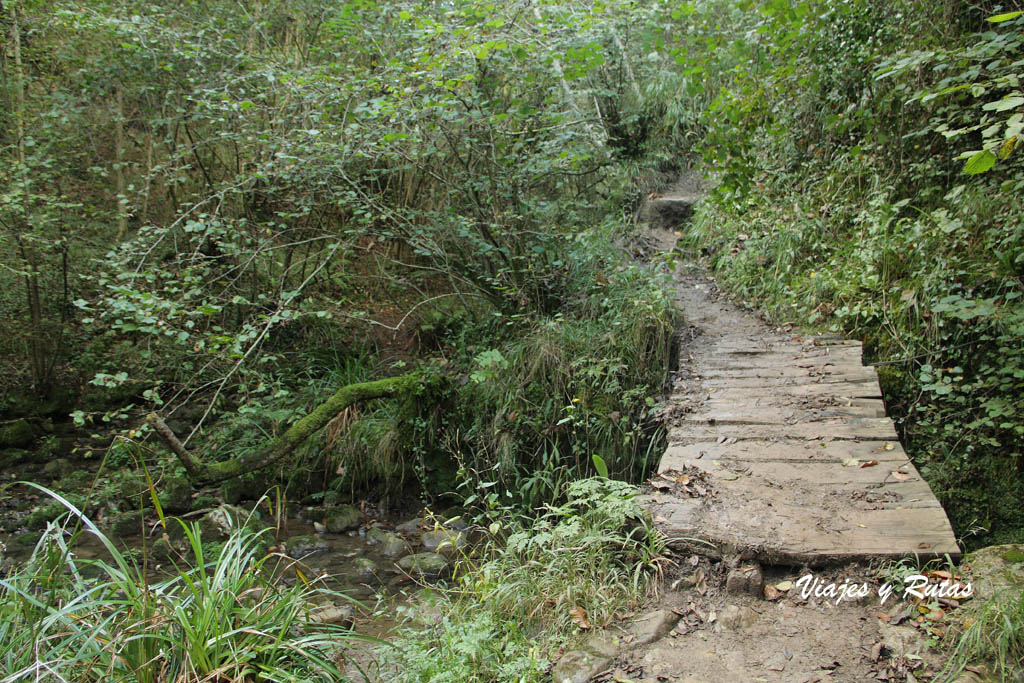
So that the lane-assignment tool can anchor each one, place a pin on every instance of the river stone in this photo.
(17, 434)
(162, 550)
(216, 525)
(443, 541)
(176, 495)
(392, 545)
(425, 566)
(366, 569)
(652, 626)
(579, 666)
(130, 523)
(12, 456)
(303, 546)
(410, 527)
(55, 469)
(997, 569)
(332, 614)
(344, 518)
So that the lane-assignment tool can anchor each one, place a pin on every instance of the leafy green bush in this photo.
(587, 559)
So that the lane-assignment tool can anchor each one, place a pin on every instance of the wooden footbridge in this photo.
(781, 451)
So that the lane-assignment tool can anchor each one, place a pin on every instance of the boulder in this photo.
(391, 544)
(17, 434)
(996, 570)
(304, 546)
(410, 527)
(343, 518)
(366, 570)
(424, 566)
(216, 525)
(652, 626)
(176, 495)
(444, 541)
(579, 666)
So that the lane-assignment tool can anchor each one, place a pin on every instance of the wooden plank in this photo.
(892, 483)
(776, 532)
(865, 428)
(837, 391)
(888, 453)
(847, 374)
(749, 412)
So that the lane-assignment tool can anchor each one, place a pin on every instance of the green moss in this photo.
(17, 434)
(1013, 556)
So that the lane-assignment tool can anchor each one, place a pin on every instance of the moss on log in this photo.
(287, 442)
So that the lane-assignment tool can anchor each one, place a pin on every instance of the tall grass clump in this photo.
(573, 569)
(226, 618)
(994, 635)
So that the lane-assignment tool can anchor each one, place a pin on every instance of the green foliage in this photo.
(100, 619)
(504, 616)
(994, 635)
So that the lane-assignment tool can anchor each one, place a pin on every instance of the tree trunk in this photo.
(292, 438)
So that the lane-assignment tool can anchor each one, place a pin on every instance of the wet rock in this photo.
(747, 579)
(391, 544)
(17, 434)
(246, 487)
(341, 519)
(28, 539)
(652, 626)
(579, 666)
(162, 550)
(366, 569)
(131, 523)
(12, 456)
(176, 495)
(332, 614)
(216, 525)
(56, 469)
(304, 546)
(444, 541)
(424, 566)
(43, 515)
(411, 527)
(736, 618)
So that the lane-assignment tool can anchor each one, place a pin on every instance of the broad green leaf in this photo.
(1008, 102)
(599, 465)
(980, 162)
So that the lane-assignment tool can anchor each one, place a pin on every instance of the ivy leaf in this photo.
(980, 162)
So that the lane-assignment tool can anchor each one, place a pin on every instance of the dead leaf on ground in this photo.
(851, 462)
(899, 476)
(869, 463)
(579, 617)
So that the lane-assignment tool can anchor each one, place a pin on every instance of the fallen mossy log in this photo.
(200, 472)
